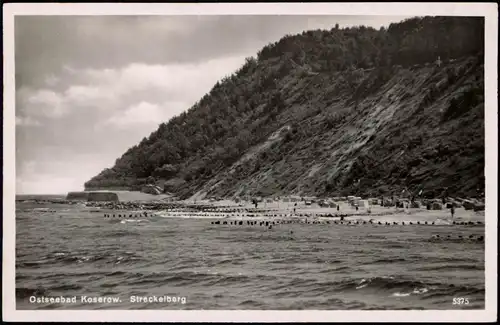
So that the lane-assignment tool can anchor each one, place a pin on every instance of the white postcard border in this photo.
(487, 10)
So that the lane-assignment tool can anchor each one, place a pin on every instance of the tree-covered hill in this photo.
(328, 112)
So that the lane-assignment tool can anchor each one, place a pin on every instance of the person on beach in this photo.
(338, 207)
(452, 210)
(254, 201)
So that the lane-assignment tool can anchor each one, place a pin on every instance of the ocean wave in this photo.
(204, 278)
(387, 260)
(336, 269)
(388, 284)
(31, 264)
(450, 259)
(298, 259)
(450, 267)
(396, 245)
(22, 277)
(327, 303)
(121, 233)
(416, 291)
(23, 293)
(452, 290)
(66, 287)
(251, 303)
(75, 258)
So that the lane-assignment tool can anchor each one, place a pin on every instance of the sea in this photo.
(183, 262)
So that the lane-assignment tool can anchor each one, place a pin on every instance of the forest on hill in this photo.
(346, 111)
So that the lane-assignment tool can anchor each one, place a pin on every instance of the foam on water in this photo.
(132, 220)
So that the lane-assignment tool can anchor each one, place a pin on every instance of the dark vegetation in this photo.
(377, 115)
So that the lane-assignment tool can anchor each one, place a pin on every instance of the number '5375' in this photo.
(460, 301)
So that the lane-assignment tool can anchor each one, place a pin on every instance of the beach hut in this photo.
(416, 204)
(313, 199)
(436, 206)
(391, 202)
(363, 204)
(449, 205)
(468, 205)
(327, 204)
(479, 206)
(405, 204)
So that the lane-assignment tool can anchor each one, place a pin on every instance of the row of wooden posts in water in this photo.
(434, 238)
(296, 221)
(141, 215)
(386, 223)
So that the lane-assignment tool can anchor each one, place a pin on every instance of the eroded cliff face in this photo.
(354, 111)
(420, 127)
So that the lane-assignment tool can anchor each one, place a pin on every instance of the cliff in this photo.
(353, 111)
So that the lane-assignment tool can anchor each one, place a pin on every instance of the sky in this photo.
(90, 87)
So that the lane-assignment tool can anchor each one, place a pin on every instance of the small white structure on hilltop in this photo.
(438, 61)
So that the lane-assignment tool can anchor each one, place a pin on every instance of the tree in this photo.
(166, 171)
